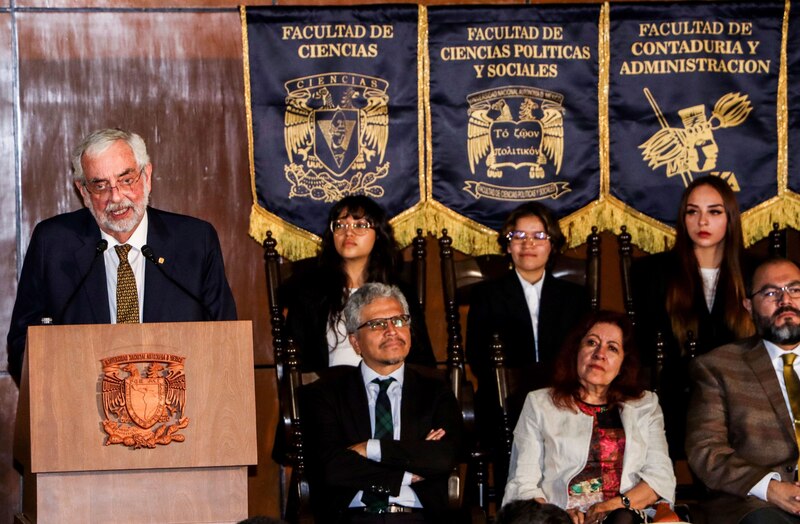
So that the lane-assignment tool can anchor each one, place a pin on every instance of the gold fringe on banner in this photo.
(603, 60)
(790, 213)
(783, 107)
(248, 102)
(405, 225)
(757, 222)
(468, 236)
(423, 104)
(610, 214)
(293, 243)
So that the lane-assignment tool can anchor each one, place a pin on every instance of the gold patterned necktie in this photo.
(793, 391)
(127, 296)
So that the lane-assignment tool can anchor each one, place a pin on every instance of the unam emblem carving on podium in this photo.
(144, 396)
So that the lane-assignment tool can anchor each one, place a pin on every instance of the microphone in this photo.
(99, 249)
(147, 251)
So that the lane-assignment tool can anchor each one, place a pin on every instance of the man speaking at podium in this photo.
(117, 260)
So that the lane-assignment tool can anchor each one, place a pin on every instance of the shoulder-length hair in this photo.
(682, 288)
(566, 387)
(382, 264)
(540, 211)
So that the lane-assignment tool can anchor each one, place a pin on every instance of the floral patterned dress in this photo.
(600, 479)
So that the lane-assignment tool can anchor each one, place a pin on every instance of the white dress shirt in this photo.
(776, 356)
(533, 294)
(340, 351)
(407, 496)
(710, 276)
(135, 259)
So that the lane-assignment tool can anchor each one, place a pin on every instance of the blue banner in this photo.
(693, 91)
(514, 114)
(333, 100)
(793, 95)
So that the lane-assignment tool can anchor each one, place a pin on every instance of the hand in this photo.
(416, 478)
(596, 513)
(785, 495)
(360, 448)
(435, 434)
(576, 516)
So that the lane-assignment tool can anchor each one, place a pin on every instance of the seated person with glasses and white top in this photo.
(358, 247)
(528, 307)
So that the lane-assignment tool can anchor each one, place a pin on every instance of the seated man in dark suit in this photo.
(381, 438)
(741, 437)
(89, 267)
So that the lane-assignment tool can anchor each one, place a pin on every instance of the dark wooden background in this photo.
(172, 71)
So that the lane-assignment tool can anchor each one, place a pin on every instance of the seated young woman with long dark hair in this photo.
(357, 247)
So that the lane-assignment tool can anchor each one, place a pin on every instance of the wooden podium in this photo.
(178, 400)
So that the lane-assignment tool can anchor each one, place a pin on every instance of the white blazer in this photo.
(551, 446)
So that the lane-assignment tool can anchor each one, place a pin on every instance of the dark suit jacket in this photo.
(738, 427)
(308, 307)
(335, 416)
(498, 306)
(61, 252)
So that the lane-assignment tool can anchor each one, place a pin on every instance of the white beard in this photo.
(107, 223)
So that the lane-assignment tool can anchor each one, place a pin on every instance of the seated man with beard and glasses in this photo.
(742, 427)
(75, 260)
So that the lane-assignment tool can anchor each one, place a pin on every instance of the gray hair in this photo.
(364, 296)
(100, 140)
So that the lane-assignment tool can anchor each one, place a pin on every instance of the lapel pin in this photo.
(160, 260)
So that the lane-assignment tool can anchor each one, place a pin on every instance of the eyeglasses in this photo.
(359, 227)
(124, 183)
(774, 294)
(382, 324)
(518, 237)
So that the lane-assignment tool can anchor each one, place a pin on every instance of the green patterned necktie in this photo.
(127, 295)
(792, 391)
(384, 428)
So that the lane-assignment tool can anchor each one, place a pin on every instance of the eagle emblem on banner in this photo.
(530, 138)
(515, 128)
(693, 148)
(336, 129)
(135, 403)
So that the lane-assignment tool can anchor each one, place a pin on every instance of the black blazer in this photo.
(649, 279)
(498, 306)
(308, 307)
(61, 251)
(335, 416)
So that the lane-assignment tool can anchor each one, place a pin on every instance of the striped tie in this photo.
(384, 428)
(792, 391)
(127, 296)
